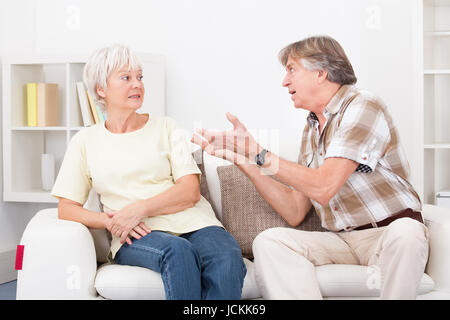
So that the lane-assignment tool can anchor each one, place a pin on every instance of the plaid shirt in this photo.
(359, 128)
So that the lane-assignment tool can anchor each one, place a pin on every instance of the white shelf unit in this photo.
(23, 145)
(436, 98)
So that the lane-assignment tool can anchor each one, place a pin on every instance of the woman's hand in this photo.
(128, 222)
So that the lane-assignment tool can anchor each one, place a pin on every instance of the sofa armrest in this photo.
(59, 260)
(437, 220)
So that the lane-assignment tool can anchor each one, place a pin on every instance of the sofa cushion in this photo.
(245, 213)
(204, 188)
(345, 280)
(119, 282)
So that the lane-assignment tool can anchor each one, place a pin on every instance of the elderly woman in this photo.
(148, 184)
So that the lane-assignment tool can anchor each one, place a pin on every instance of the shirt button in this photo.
(321, 154)
(335, 208)
(364, 158)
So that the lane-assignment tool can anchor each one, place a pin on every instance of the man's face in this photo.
(302, 84)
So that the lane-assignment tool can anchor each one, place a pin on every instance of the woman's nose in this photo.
(138, 83)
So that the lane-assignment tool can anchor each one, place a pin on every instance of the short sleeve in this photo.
(180, 156)
(363, 135)
(73, 181)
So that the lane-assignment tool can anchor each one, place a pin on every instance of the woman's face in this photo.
(124, 89)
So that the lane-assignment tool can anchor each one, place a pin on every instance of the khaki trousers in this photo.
(285, 258)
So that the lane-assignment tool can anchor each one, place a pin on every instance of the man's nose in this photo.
(285, 81)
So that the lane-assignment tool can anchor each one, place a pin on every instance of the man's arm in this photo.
(290, 204)
(319, 184)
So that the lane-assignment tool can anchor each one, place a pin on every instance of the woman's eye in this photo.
(140, 77)
(124, 78)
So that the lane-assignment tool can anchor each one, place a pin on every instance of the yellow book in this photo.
(32, 104)
(92, 105)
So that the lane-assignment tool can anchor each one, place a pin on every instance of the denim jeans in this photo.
(203, 264)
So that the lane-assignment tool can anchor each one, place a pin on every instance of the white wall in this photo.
(222, 54)
(13, 216)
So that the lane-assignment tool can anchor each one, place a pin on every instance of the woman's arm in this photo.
(74, 211)
(184, 194)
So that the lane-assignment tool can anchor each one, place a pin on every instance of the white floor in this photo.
(8, 290)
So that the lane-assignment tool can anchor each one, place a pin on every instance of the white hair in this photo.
(102, 62)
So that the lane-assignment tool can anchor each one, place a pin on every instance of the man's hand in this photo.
(128, 222)
(237, 145)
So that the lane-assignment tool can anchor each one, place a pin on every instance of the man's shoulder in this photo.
(362, 95)
(366, 100)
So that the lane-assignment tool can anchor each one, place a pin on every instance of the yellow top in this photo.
(126, 167)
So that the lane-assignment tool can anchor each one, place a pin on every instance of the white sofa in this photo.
(65, 260)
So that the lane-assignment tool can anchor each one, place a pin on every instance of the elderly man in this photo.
(351, 168)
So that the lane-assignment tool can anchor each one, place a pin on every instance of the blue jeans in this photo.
(203, 264)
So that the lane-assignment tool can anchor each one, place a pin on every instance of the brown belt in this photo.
(407, 213)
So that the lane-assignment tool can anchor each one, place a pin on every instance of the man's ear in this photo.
(322, 75)
(101, 92)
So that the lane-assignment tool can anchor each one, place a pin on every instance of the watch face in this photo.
(259, 159)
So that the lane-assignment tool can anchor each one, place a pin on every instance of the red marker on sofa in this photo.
(19, 256)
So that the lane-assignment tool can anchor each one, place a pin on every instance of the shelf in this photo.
(39, 128)
(436, 71)
(437, 33)
(41, 196)
(23, 146)
(437, 146)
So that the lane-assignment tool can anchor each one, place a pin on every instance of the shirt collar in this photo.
(338, 99)
(334, 104)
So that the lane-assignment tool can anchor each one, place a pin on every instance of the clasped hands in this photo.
(237, 145)
(128, 222)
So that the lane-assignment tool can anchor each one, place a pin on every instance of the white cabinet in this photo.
(23, 145)
(436, 98)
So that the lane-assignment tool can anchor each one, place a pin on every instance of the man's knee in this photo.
(407, 231)
(268, 236)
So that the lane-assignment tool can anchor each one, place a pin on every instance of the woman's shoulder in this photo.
(86, 133)
(164, 121)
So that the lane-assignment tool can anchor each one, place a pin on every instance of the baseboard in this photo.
(7, 266)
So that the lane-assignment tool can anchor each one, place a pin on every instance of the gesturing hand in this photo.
(237, 145)
(128, 222)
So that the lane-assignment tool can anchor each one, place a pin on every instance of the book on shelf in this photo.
(88, 118)
(31, 104)
(47, 104)
(42, 104)
(93, 108)
(96, 110)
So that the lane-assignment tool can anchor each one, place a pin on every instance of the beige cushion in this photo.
(245, 213)
(204, 189)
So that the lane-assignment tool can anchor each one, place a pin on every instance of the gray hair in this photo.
(102, 62)
(321, 53)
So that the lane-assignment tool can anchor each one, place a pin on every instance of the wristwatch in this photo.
(259, 158)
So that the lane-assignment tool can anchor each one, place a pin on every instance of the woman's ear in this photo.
(101, 92)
